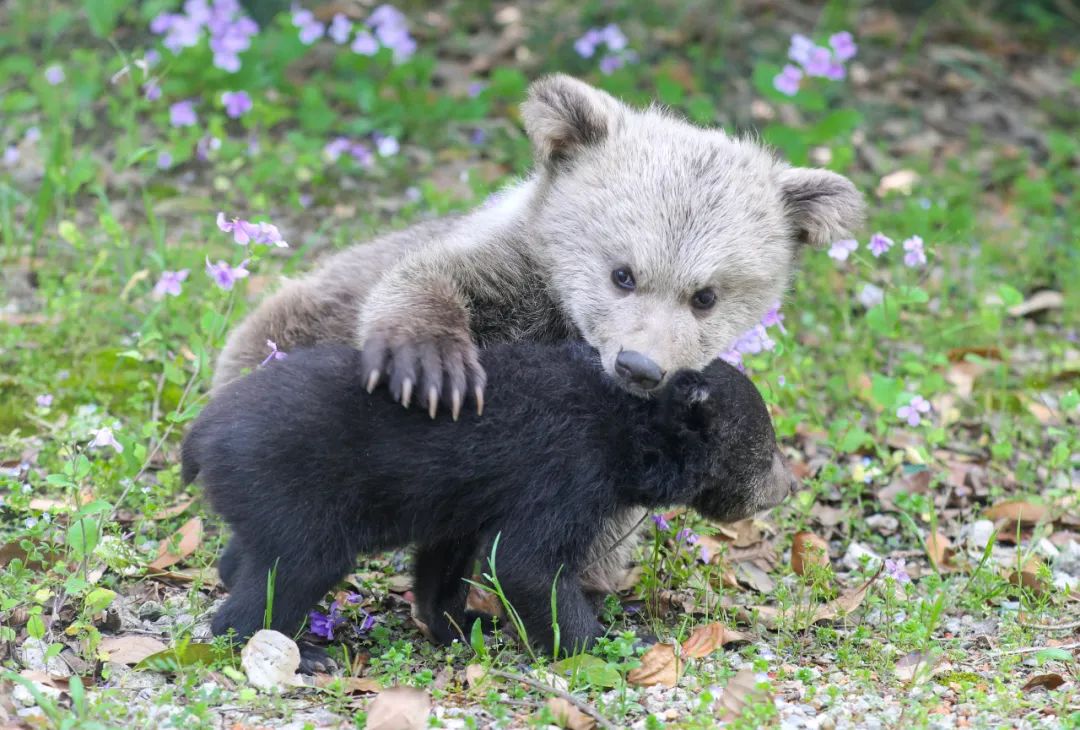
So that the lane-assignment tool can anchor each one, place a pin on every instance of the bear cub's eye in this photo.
(703, 299)
(623, 278)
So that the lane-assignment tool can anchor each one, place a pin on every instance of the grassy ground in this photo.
(949, 596)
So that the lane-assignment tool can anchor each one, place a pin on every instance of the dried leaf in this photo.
(902, 181)
(741, 692)
(917, 662)
(175, 510)
(483, 601)
(189, 534)
(1029, 577)
(1038, 302)
(399, 708)
(474, 674)
(807, 550)
(1014, 512)
(753, 576)
(707, 639)
(568, 716)
(129, 649)
(962, 375)
(1043, 681)
(939, 550)
(915, 483)
(659, 665)
(350, 685)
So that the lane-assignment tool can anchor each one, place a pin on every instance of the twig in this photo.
(537, 684)
(1052, 627)
(1033, 649)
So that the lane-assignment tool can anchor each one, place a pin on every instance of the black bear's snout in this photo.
(638, 370)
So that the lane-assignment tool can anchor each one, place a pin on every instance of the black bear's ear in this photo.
(686, 400)
(562, 115)
(824, 206)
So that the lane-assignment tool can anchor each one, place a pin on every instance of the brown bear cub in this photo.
(310, 470)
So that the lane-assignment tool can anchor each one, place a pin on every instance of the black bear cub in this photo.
(310, 470)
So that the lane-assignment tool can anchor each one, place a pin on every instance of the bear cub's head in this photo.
(664, 242)
(719, 424)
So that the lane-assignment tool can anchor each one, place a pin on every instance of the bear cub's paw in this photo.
(439, 365)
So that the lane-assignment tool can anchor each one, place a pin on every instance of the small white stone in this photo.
(1068, 558)
(33, 657)
(1047, 549)
(270, 660)
(854, 557)
(979, 535)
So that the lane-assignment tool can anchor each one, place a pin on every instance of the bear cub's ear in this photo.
(686, 401)
(563, 115)
(823, 205)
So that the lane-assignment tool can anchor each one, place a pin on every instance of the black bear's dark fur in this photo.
(310, 470)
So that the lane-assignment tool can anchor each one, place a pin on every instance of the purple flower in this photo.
(170, 283)
(44, 400)
(365, 44)
(661, 523)
(182, 33)
(103, 437)
(842, 249)
(392, 31)
(733, 357)
(787, 81)
(275, 354)
(843, 45)
(268, 235)
(323, 624)
(226, 276)
(686, 535)
(335, 148)
(800, 49)
(152, 90)
(752, 342)
(243, 232)
(835, 71)
(151, 57)
(913, 411)
(340, 28)
(413, 194)
(871, 296)
(611, 63)
(162, 23)
(819, 62)
(366, 624)
(182, 114)
(477, 136)
(227, 61)
(895, 569)
(915, 255)
(205, 146)
(774, 318)
(475, 89)
(361, 154)
(11, 155)
(386, 145)
(54, 74)
(585, 46)
(613, 37)
(703, 554)
(33, 134)
(164, 161)
(236, 103)
(311, 30)
(879, 244)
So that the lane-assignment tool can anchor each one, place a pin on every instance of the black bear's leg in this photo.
(439, 573)
(528, 579)
(303, 575)
(231, 559)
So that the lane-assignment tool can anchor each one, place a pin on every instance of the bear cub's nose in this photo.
(638, 370)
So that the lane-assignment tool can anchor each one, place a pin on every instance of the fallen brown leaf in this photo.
(474, 674)
(707, 639)
(1017, 512)
(1029, 577)
(129, 649)
(1038, 302)
(910, 665)
(482, 601)
(189, 535)
(940, 551)
(177, 509)
(741, 692)
(917, 483)
(399, 708)
(1043, 681)
(567, 716)
(808, 550)
(350, 685)
(659, 665)
(901, 181)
